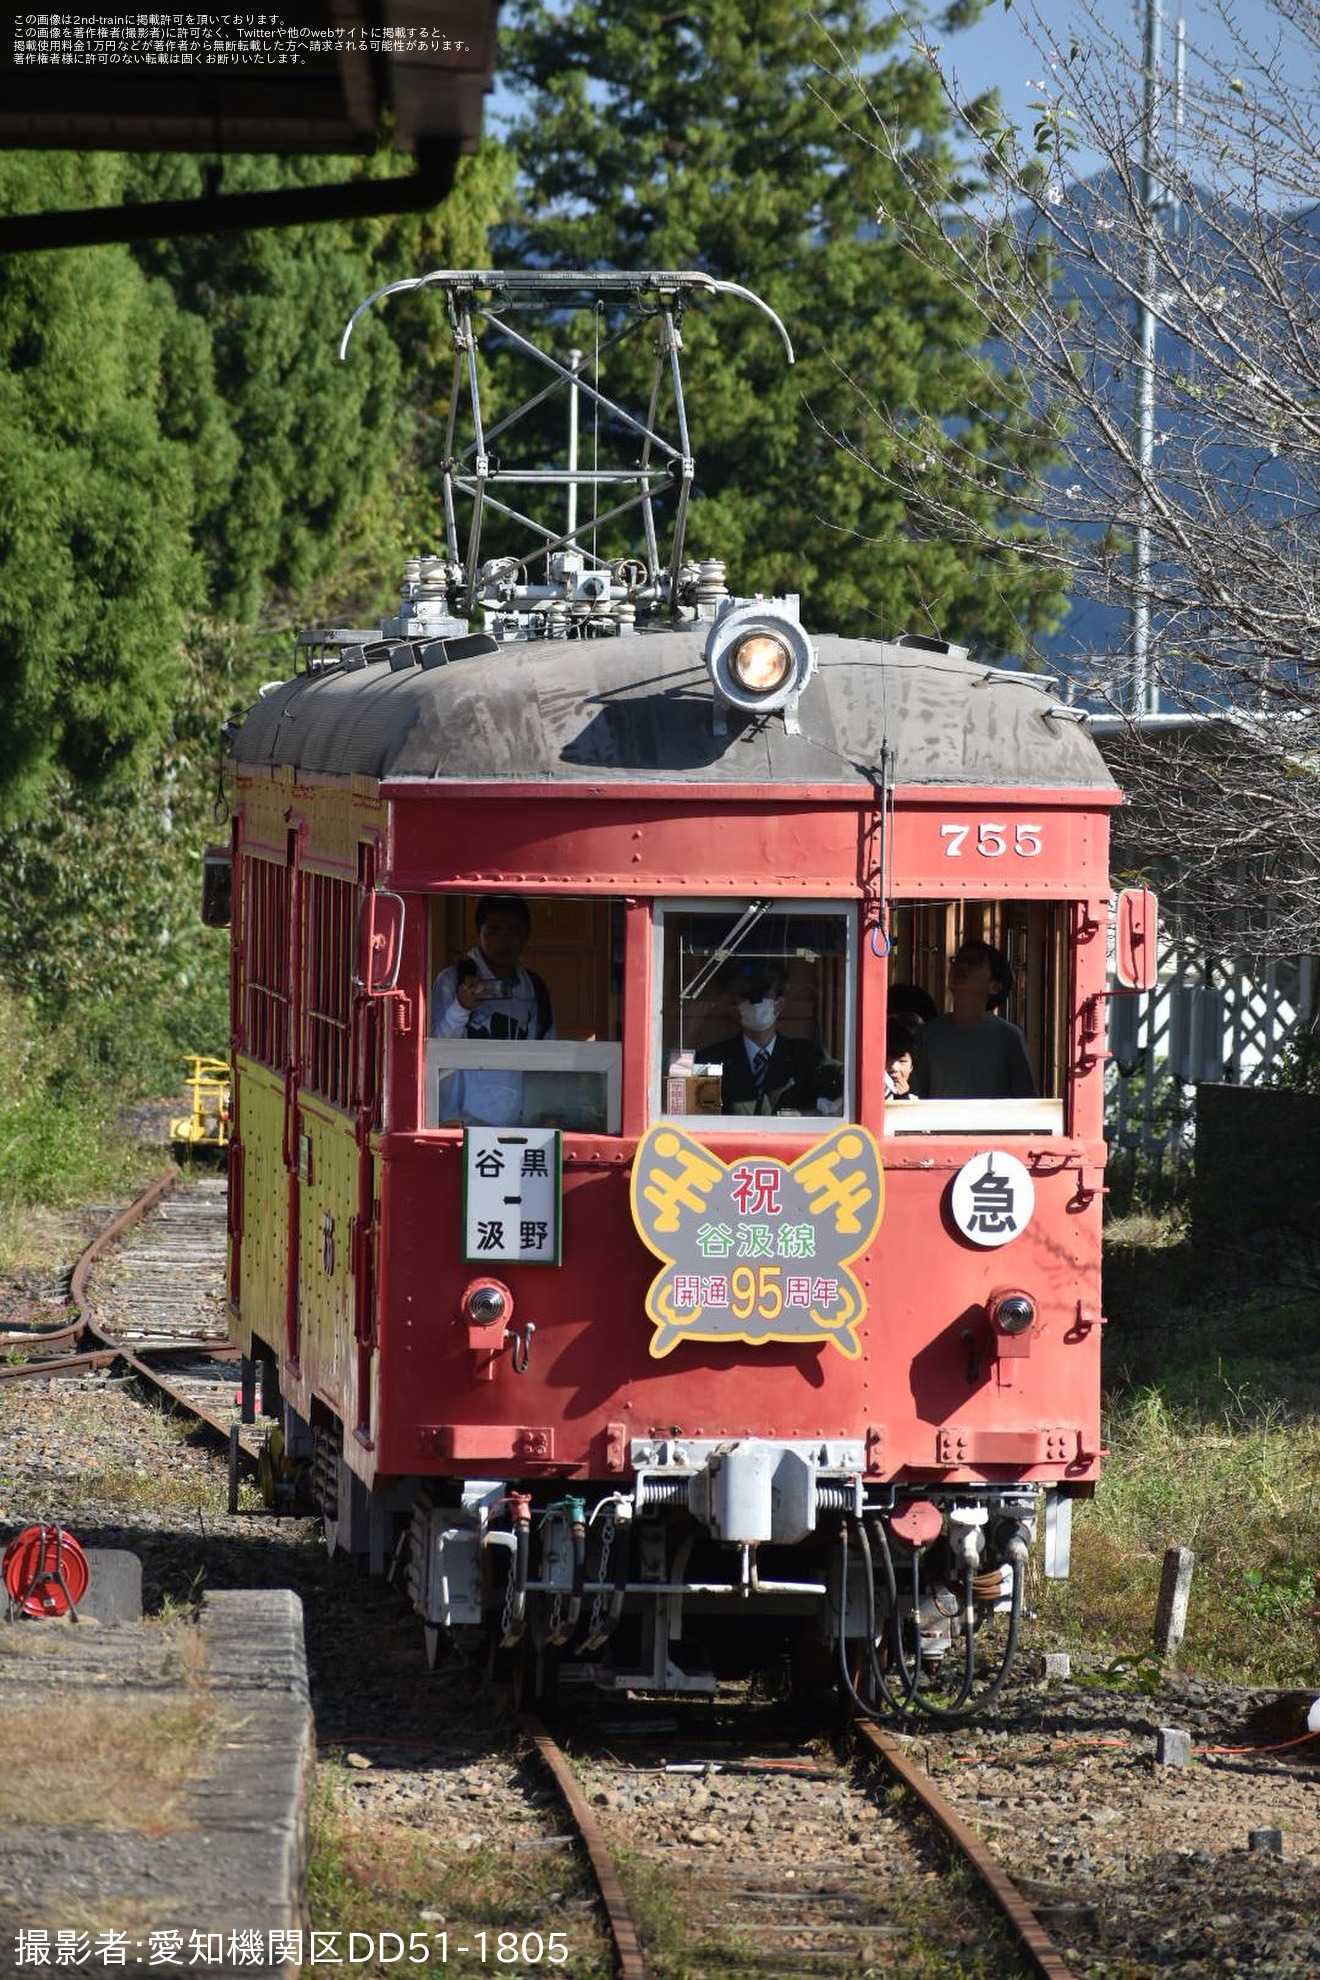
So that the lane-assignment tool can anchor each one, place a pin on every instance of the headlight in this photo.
(760, 662)
(758, 656)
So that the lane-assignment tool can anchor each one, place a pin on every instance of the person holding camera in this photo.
(489, 994)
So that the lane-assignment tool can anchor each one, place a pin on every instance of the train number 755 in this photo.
(991, 841)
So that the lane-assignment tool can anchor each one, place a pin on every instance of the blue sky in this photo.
(998, 52)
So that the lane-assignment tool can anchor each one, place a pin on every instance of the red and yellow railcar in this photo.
(643, 1374)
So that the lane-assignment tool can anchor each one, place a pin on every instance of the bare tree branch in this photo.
(1202, 525)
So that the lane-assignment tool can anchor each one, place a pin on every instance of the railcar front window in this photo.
(978, 994)
(755, 1017)
(525, 1013)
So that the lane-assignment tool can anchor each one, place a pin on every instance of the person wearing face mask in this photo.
(763, 1071)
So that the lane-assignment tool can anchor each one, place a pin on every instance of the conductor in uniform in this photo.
(763, 1071)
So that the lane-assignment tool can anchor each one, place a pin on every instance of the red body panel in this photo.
(725, 840)
(933, 1393)
(591, 1368)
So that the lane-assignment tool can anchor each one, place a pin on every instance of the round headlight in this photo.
(760, 663)
(758, 656)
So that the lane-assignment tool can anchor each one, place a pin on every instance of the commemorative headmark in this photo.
(756, 1250)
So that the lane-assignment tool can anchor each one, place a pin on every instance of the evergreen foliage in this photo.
(99, 905)
(718, 138)
(298, 456)
(54, 1147)
(184, 461)
(97, 568)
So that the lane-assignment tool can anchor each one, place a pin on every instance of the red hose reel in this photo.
(45, 1571)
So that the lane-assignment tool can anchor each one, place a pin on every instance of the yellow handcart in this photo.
(207, 1126)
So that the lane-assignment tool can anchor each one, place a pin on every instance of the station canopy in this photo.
(333, 76)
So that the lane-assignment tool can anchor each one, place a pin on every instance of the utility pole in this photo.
(574, 365)
(1156, 202)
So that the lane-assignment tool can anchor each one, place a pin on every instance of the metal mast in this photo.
(1157, 203)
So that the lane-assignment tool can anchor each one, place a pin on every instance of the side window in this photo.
(264, 987)
(328, 904)
(978, 1016)
(755, 1017)
(525, 1013)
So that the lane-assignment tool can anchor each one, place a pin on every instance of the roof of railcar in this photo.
(641, 709)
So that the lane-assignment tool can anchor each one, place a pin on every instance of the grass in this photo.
(676, 1949)
(374, 1876)
(58, 1143)
(137, 1750)
(1213, 1430)
(135, 1757)
(54, 1156)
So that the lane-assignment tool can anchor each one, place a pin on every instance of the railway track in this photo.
(772, 1851)
(787, 1854)
(785, 1858)
(147, 1293)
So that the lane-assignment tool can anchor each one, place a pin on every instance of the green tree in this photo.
(302, 463)
(179, 437)
(187, 473)
(97, 567)
(718, 137)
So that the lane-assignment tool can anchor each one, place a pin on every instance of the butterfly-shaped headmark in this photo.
(756, 1250)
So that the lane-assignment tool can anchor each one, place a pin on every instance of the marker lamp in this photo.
(486, 1302)
(1013, 1312)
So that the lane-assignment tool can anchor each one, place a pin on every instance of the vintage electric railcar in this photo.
(636, 1375)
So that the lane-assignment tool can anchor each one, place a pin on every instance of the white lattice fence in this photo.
(1210, 1019)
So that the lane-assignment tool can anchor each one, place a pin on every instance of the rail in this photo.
(1034, 1941)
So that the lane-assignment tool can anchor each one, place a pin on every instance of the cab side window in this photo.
(525, 1013)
